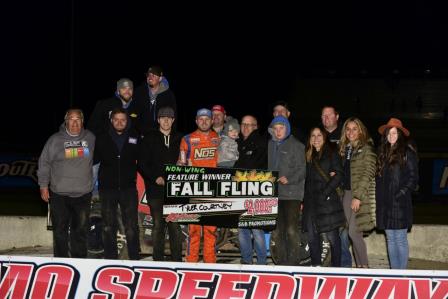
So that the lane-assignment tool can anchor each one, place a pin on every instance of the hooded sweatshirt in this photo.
(148, 104)
(287, 156)
(66, 163)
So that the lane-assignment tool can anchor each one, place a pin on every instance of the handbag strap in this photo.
(322, 173)
(326, 177)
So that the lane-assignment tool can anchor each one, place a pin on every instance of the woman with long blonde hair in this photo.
(359, 164)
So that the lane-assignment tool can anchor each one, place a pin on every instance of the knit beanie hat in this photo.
(230, 125)
(124, 82)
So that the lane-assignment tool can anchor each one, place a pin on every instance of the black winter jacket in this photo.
(253, 152)
(322, 203)
(99, 121)
(153, 155)
(147, 119)
(118, 170)
(394, 194)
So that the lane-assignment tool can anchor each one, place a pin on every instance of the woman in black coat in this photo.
(323, 212)
(397, 177)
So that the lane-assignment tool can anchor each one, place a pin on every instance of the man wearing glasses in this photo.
(65, 180)
(252, 148)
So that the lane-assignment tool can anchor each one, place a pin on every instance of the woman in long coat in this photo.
(397, 177)
(322, 209)
(359, 163)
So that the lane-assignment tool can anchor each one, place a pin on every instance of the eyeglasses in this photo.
(248, 125)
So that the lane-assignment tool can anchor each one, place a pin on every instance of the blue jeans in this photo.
(397, 248)
(346, 256)
(246, 248)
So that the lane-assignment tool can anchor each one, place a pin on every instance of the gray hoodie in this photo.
(66, 163)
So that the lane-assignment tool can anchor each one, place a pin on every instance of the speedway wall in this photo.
(27, 277)
(428, 242)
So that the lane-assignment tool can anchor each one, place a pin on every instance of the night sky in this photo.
(58, 53)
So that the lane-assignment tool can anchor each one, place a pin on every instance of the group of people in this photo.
(336, 180)
(351, 188)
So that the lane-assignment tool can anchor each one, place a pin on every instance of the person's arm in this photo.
(411, 170)
(296, 171)
(260, 155)
(44, 194)
(369, 168)
(146, 159)
(338, 174)
(183, 153)
(97, 152)
(44, 171)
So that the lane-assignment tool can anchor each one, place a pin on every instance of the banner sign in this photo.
(39, 277)
(225, 197)
(440, 177)
(18, 171)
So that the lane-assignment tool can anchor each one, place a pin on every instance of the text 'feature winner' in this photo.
(224, 197)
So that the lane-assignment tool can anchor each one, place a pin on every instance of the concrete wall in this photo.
(427, 242)
(24, 231)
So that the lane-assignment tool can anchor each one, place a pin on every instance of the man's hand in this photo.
(356, 203)
(44, 194)
(160, 181)
(282, 180)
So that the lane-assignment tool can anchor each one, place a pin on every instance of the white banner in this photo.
(39, 277)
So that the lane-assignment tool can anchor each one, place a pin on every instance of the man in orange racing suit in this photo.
(200, 148)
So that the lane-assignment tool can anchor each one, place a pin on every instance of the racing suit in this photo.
(200, 149)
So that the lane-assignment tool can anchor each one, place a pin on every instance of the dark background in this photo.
(58, 54)
(371, 59)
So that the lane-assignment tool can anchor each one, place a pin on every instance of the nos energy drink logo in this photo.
(440, 178)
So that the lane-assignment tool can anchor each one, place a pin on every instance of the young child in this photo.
(228, 148)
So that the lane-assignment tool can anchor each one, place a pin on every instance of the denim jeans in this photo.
(397, 248)
(346, 256)
(70, 214)
(246, 248)
(127, 199)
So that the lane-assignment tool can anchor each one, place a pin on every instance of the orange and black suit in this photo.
(200, 149)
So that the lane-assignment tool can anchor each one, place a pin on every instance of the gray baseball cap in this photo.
(124, 82)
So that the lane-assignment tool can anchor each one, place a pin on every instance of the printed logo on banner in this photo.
(440, 177)
(202, 283)
(250, 196)
(27, 280)
(28, 277)
(18, 171)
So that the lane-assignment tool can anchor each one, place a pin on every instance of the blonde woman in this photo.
(359, 164)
